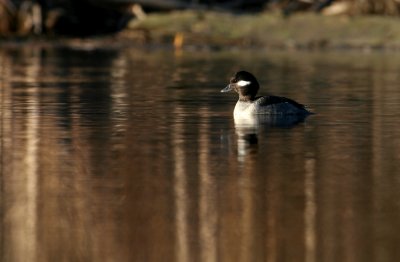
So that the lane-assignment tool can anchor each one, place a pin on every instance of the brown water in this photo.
(132, 155)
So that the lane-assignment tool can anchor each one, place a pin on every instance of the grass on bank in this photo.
(306, 30)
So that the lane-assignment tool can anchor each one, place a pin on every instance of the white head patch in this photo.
(243, 83)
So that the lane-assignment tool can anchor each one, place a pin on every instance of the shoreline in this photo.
(304, 31)
(194, 30)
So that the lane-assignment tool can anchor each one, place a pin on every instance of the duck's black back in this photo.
(270, 100)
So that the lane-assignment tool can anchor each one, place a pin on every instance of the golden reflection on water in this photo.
(309, 211)
(208, 212)
(180, 193)
(89, 172)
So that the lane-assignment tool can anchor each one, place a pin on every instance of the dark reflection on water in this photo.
(128, 155)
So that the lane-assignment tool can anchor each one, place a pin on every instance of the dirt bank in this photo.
(266, 30)
(193, 30)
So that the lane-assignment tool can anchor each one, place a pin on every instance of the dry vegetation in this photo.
(369, 24)
(306, 30)
(377, 7)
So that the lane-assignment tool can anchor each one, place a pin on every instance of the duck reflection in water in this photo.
(253, 112)
(247, 130)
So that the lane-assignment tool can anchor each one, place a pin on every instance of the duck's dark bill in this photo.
(227, 89)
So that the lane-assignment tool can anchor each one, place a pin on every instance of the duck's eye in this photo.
(233, 80)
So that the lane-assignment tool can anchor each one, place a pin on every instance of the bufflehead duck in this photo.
(246, 85)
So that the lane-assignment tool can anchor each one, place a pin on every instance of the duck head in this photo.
(245, 84)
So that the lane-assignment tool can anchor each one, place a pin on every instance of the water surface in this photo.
(134, 155)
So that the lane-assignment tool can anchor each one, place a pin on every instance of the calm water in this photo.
(132, 155)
